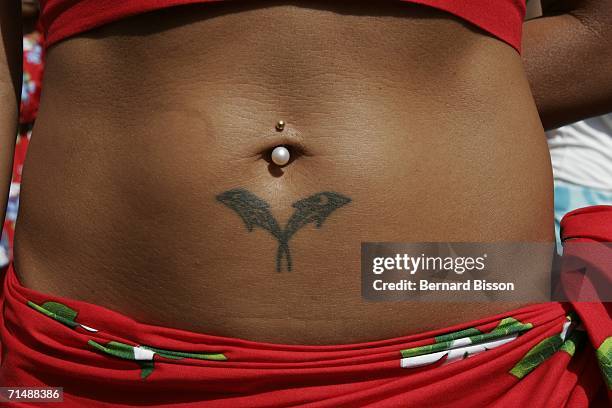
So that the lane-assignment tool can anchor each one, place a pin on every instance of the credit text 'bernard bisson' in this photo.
(412, 265)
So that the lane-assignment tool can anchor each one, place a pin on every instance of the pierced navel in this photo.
(280, 125)
(280, 155)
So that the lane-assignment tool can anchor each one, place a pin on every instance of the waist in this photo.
(120, 190)
(120, 223)
(203, 367)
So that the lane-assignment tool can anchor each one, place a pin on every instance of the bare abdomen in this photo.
(424, 127)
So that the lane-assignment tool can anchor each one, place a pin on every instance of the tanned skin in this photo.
(425, 123)
(567, 55)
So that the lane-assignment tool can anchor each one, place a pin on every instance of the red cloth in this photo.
(587, 234)
(33, 67)
(65, 18)
(589, 224)
(38, 350)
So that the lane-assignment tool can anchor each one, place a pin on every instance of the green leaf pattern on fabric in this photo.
(604, 357)
(462, 344)
(60, 310)
(537, 355)
(146, 368)
(506, 327)
(568, 341)
(180, 354)
(455, 345)
(472, 331)
(469, 336)
(143, 355)
(61, 313)
(427, 349)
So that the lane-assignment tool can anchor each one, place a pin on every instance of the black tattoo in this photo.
(255, 212)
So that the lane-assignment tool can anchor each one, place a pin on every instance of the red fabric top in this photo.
(64, 18)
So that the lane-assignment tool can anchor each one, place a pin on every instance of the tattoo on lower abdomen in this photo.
(255, 212)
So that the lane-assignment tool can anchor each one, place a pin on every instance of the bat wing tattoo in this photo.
(256, 213)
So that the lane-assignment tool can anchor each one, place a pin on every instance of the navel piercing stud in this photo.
(280, 155)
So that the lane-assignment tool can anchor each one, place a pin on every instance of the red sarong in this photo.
(545, 355)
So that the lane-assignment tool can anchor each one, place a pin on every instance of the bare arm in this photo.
(10, 91)
(568, 59)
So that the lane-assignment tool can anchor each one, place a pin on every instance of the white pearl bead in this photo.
(280, 155)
